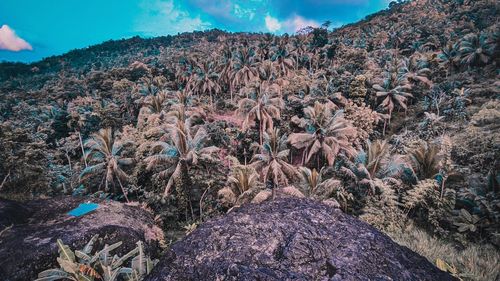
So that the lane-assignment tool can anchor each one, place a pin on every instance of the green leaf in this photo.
(65, 252)
(441, 264)
(82, 277)
(150, 264)
(466, 215)
(51, 278)
(83, 256)
(88, 248)
(68, 266)
(121, 260)
(462, 227)
(51, 274)
(139, 261)
(125, 270)
(103, 255)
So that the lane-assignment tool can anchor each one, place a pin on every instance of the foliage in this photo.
(86, 264)
(271, 160)
(242, 184)
(104, 156)
(183, 150)
(473, 262)
(327, 134)
(179, 108)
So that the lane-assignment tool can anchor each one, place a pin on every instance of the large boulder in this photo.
(291, 239)
(28, 244)
(11, 213)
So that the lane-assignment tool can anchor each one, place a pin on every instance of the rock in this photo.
(291, 239)
(29, 246)
(12, 213)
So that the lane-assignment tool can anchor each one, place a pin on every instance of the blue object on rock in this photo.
(83, 209)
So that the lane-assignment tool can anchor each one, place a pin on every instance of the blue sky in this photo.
(34, 29)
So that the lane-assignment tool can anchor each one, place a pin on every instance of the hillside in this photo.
(394, 119)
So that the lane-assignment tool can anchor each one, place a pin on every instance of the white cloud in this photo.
(272, 24)
(10, 41)
(242, 12)
(296, 22)
(163, 17)
(292, 24)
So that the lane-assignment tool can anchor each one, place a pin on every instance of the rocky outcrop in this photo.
(291, 239)
(12, 213)
(28, 244)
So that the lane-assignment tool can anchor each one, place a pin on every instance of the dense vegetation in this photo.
(393, 119)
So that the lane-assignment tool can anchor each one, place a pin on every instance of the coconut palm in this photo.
(282, 59)
(449, 57)
(394, 92)
(425, 160)
(103, 154)
(476, 49)
(266, 106)
(374, 166)
(205, 81)
(242, 184)
(184, 71)
(155, 102)
(245, 67)
(266, 71)
(327, 134)
(415, 69)
(182, 151)
(315, 185)
(152, 85)
(182, 97)
(225, 68)
(300, 50)
(264, 47)
(271, 160)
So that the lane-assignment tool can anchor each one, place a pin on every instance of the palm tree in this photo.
(374, 166)
(271, 160)
(326, 135)
(263, 109)
(266, 71)
(426, 160)
(245, 67)
(264, 47)
(282, 59)
(225, 68)
(300, 50)
(377, 154)
(152, 85)
(394, 91)
(184, 71)
(241, 184)
(103, 155)
(415, 69)
(315, 185)
(155, 102)
(182, 151)
(183, 97)
(449, 57)
(206, 80)
(476, 49)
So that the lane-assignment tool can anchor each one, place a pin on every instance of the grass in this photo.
(474, 262)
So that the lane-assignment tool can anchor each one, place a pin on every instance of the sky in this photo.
(33, 29)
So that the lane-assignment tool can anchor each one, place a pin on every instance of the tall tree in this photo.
(103, 153)
(327, 134)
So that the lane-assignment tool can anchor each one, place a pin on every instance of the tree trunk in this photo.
(83, 150)
(123, 189)
(182, 187)
(5, 180)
